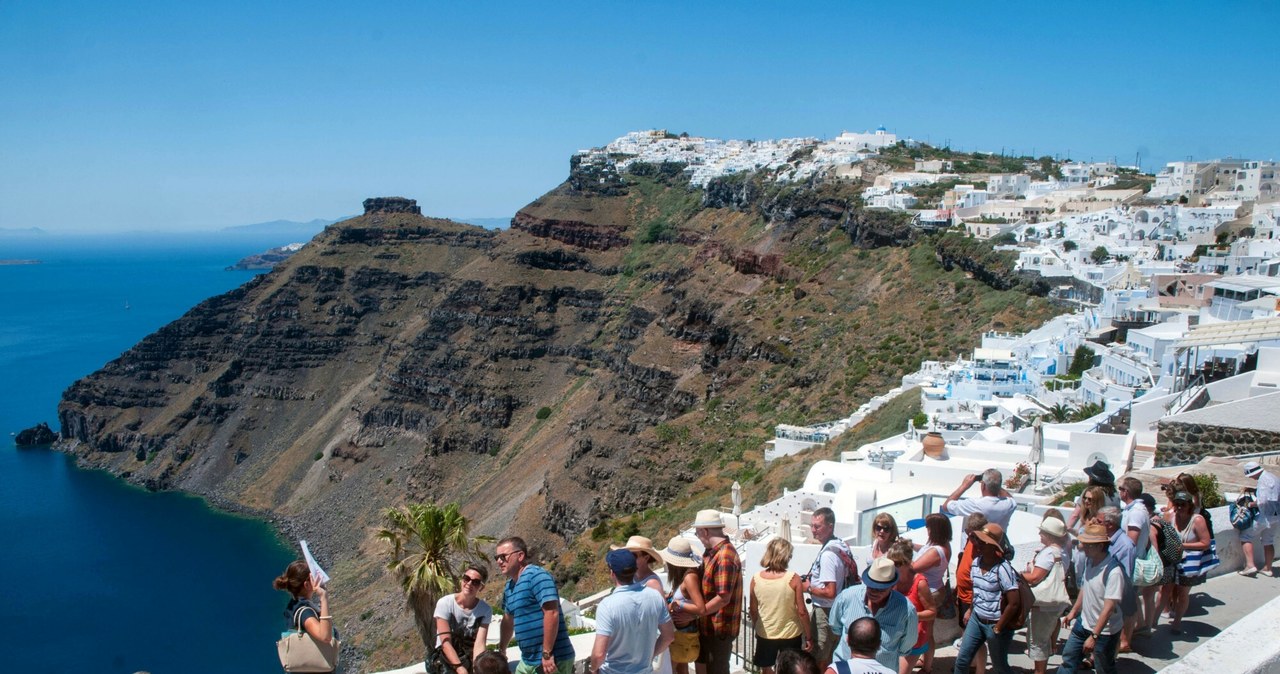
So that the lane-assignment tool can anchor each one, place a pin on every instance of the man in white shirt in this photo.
(995, 503)
(825, 581)
(627, 620)
(1095, 621)
(1267, 498)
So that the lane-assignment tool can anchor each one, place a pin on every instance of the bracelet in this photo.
(326, 617)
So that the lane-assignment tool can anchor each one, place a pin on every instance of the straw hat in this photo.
(708, 519)
(992, 534)
(641, 546)
(1094, 533)
(882, 574)
(1054, 527)
(680, 553)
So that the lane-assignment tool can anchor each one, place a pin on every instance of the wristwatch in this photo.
(1096, 636)
(546, 655)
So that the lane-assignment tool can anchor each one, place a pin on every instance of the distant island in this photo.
(266, 260)
(17, 262)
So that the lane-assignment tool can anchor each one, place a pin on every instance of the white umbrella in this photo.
(784, 528)
(736, 493)
(1037, 448)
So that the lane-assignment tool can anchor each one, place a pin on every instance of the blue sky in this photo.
(182, 116)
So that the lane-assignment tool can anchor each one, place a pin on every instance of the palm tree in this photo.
(1059, 412)
(430, 545)
(1086, 411)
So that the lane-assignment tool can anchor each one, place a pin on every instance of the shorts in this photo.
(1040, 626)
(562, 667)
(714, 652)
(1262, 531)
(918, 650)
(767, 650)
(1183, 580)
(824, 640)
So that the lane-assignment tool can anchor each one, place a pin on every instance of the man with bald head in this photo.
(864, 642)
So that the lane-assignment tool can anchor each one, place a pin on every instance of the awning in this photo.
(1215, 334)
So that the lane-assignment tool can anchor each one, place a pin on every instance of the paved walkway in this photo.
(1215, 604)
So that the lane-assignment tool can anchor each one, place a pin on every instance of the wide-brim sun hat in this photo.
(992, 534)
(708, 519)
(1054, 527)
(881, 574)
(679, 553)
(1100, 473)
(1252, 469)
(1094, 533)
(641, 546)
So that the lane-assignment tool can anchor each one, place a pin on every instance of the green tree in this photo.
(430, 544)
(1099, 255)
(1068, 245)
(1060, 413)
(1081, 360)
(1086, 411)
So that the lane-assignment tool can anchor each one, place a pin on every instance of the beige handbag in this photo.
(300, 653)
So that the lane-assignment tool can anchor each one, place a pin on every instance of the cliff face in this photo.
(401, 358)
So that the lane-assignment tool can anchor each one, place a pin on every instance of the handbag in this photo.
(685, 648)
(945, 599)
(300, 653)
(1200, 562)
(1148, 570)
(1051, 591)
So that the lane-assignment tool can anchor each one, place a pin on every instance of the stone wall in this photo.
(1183, 443)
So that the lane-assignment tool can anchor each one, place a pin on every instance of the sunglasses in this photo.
(472, 580)
(502, 557)
(883, 527)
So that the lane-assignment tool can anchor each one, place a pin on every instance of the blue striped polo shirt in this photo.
(522, 601)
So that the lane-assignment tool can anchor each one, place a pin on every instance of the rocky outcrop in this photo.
(572, 232)
(36, 436)
(391, 205)
(266, 260)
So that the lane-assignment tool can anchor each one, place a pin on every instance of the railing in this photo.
(1191, 389)
(744, 647)
(902, 511)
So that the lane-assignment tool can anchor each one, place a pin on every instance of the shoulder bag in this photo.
(300, 653)
(1148, 569)
(944, 600)
(1051, 591)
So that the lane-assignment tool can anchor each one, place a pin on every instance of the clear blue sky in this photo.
(191, 115)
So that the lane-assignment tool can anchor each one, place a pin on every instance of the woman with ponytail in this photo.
(308, 604)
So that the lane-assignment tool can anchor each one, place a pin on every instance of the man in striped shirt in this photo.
(532, 607)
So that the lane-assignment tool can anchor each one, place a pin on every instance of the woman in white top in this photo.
(685, 602)
(1041, 622)
(462, 622)
(931, 561)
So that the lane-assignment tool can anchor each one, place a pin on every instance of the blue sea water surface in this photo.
(99, 576)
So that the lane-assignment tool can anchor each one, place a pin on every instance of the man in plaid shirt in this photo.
(722, 588)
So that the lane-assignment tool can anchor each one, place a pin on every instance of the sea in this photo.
(97, 575)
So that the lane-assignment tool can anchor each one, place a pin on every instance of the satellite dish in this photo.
(1096, 457)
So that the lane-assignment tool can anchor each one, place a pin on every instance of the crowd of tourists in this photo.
(1104, 576)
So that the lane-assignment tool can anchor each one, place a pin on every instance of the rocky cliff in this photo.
(626, 346)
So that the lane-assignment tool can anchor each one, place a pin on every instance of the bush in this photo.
(543, 413)
(1210, 494)
(1072, 492)
(319, 455)
(1069, 245)
(921, 419)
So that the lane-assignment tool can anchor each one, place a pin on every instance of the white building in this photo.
(1008, 184)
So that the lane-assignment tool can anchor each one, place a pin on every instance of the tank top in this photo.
(776, 605)
(922, 627)
(933, 575)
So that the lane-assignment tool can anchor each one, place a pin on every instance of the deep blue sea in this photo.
(95, 575)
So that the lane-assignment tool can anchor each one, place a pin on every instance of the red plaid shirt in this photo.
(722, 575)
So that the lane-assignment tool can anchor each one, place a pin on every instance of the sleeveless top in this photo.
(776, 606)
(678, 597)
(934, 573)
(922, 626)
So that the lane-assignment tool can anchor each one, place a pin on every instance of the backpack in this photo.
(1170, 542)
(851, 576)
(1026, 599)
